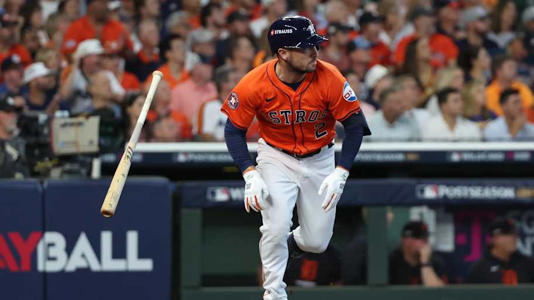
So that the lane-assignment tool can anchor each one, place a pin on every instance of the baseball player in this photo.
(297, 100)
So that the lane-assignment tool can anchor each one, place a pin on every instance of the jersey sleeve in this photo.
(240, 105)
(343, 99)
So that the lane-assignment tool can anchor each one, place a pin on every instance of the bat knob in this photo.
(157, 73)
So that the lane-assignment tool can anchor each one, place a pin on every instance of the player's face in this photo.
(301, 60)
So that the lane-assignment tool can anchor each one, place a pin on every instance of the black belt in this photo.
(299, 156)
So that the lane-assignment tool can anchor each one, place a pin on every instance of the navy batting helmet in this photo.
(294, 32)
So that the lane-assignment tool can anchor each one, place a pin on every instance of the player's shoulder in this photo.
(327, 71)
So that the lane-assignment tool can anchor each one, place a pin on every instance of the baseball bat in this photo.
(121, 173)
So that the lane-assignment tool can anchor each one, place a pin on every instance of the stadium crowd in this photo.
(424, 70)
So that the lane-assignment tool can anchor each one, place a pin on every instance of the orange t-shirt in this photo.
(442, 47)
(20, 51)
(114, 35)
(186, 130)
(167, 76)
(300, 121)
(130, 82)
(493, 95)
(380, 55)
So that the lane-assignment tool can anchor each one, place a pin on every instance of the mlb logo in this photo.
(427, 191)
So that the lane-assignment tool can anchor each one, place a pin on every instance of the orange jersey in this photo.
(300, 121)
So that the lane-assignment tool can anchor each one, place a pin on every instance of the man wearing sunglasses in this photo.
(297, 100)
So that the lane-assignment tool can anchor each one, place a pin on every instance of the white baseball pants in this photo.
(292, 181)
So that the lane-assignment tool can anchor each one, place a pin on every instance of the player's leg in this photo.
(315, 225)
(276, 218)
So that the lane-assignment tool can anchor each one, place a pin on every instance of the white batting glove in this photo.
(255, 191)
(333, 184)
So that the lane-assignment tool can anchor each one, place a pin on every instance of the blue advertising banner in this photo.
(21, 226)
(87, 256)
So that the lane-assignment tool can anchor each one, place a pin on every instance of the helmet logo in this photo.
(281, 31)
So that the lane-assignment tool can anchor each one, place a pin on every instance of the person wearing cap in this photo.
(187, 97)
(502, 262)
(335, 52)
(112, 33)
(377, 79)
(8, 40)
(12, 72)
(75, 78)
(390, 123)
(42, 95)
(13, 163)
(370, 28)
(413, 263)
(272, 10)
(443, 50)
(476, 23)
(147, 59)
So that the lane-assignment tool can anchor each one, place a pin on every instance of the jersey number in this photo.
(319, 132)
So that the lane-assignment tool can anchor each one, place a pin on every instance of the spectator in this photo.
(241, 54)
(71, 9)
(360, 58)
(503, 23)
(525, 71)
(237, 24)
(370, 27)
(133, 104)
(111, 135)
(449, 125)
(87, 62)
(114, 63)
(390, 124)
(172, 50)
(55, 28)
(443, 51)
(413, 262)
(161, 107)
(202, 42)
(41, 94)
(13, 162)
(213, 19)
(475, 20)
(335, 52)
(418, 65)
(211, 121)
(393, 22)
(448, 13)
(273, 10)
(147, 10)
(50, 58)
(376, 80)
(502, 263)
(314, 269)
(504, 71)
(178, 24)
(147, 59)
(113, 35)
(310, 10)
(192, 9)
(32, 13)
(12, 72)
(476, 64)
(475, 104)
(188, 96)
(165, 130)
(450, 77)
(512, 125)
(8, 40)
(411, 95)
(528, 37)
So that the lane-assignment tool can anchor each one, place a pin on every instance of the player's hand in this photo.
(255, 191)
(333, 184)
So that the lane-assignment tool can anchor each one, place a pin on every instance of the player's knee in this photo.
(315, 245)
(277, 232)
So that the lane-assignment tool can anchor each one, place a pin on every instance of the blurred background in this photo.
(440, 198)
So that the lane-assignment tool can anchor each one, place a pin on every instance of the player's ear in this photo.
(282, 54)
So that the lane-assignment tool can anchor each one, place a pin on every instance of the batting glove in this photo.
(333, 184)
(255, 191)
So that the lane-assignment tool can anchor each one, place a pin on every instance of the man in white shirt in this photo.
(512, 125)
(390, 123)
(449, 125)
(211, 120)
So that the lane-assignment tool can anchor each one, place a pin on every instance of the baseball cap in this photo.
(420, 11)
(528, 15)
(236, 15)
(89, 47)
(11, 62)
(36, 70)
(472, 14)
(7, 103)
(367, 18)
(336, 27)
(415, 229)
(374, 74)
(502, 226)
(295, 32)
